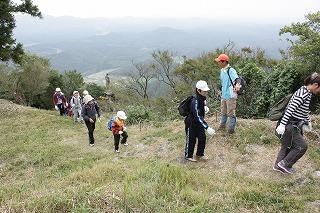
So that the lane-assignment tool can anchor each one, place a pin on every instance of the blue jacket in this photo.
(197, 112)
(227, 88)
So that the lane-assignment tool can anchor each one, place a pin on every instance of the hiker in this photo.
(195, 125)
(296, 121)
(228, 93)
(76, 103)
(59, 101)
(118, 129)
(89, 113)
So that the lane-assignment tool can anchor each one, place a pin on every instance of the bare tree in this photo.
(165, 67)
(139, 81)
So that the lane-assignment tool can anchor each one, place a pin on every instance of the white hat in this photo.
(87, 98)
(202, 85)
(121, 115)
(85, 92)
(74, 92)
(58, 89)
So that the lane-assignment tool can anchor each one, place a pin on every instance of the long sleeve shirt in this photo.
(90, 111)
(298, 107)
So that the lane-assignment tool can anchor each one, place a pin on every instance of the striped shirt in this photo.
(298, 107)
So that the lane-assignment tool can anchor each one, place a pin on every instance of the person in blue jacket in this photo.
(195, 125)
(228, 93)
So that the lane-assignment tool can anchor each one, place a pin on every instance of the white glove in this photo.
(206, 109)
(56, 107)
(307, 128)
(280, 129)
(120, 132)
(124, 128)
(211, 131)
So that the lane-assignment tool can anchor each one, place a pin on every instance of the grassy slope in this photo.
(46, 165)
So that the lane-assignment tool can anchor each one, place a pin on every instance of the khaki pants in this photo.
(228, 107)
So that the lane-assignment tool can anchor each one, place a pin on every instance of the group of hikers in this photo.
(86, 109)
(290, 127)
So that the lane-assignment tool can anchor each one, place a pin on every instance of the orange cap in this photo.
(222, 57)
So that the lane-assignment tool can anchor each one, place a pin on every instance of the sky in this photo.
(247, 10)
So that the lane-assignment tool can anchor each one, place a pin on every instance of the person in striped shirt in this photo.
(294, 122)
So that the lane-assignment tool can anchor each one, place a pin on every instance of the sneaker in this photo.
(278, 169)
(117, 151)
(221, 128)
(283, 166)
(191, 159)
(204, 157)
(292, 170)
(91, 144)
(231, 131)
(125, 144)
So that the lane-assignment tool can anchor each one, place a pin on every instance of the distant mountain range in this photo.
(93, 45)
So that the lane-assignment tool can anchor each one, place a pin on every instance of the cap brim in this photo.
(217, 59)
(206, 89)
(123, 118)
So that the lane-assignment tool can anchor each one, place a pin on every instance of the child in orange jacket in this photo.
(118, 129)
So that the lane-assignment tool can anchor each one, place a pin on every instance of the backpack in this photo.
(110, 122)
(277, 111)
(185, 106)
(239, 80)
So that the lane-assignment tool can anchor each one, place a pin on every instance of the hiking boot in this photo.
(117, 151)
(283, 166)
(204, 157)
(278, 169)
(91, 144)
(125, 144)
(191, 159)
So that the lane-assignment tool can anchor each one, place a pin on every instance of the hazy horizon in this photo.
(251, 11)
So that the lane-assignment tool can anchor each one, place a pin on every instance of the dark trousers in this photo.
(61, 109)
(91, 127)
(193, 132)
(293, 146)
(117, 139)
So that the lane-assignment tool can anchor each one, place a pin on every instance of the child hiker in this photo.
(89, 111)
(195, 125)
(294, 122)
(118, 129)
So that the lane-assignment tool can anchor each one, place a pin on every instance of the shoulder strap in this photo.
(230, 77)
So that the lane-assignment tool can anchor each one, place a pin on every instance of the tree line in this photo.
(156, 86)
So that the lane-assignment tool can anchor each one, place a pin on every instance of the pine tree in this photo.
(10, 50)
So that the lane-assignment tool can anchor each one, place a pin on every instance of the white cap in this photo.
(58, 89)
(121, 115)
(85, 92)
(202, 85)
(74, 92)
(87, 98)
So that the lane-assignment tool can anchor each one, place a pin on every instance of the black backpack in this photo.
(277, 111)
(239, 80)
(185, 106)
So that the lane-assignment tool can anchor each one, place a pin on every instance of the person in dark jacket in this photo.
(89, 113)
(195, 125)
(294, 122)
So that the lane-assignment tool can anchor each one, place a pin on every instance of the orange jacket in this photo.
(117, 126)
